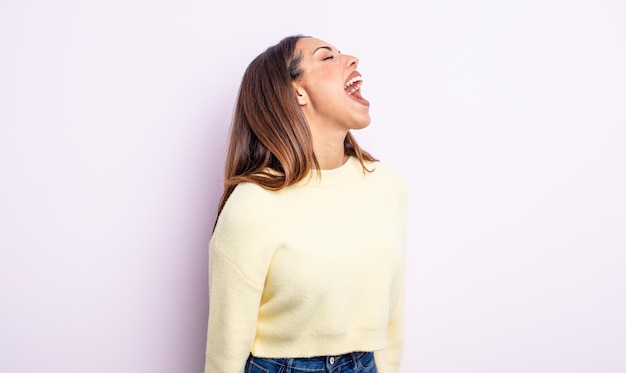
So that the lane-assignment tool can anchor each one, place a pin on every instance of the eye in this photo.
(328, 58)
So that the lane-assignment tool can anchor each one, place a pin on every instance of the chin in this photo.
(362, 124)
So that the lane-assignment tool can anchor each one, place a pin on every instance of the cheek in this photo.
(326, 78)
(321, 92)
(323, 84)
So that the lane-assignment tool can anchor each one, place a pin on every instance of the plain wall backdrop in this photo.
(508, 120)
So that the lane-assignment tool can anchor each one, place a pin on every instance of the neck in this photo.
(328, 141)
(328, 162)
(330, 154)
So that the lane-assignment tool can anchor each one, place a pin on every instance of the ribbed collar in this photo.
(349, 171)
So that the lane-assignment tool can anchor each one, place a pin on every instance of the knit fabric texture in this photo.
(314, 269)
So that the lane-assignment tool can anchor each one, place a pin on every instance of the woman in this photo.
(306, 261)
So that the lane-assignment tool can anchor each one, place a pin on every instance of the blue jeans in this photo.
(354, 362)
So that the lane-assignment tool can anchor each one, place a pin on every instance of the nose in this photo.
(351, 60)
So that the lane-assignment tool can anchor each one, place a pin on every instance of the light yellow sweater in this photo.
(314, 269)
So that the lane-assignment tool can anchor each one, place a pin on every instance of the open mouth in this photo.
(353, 87)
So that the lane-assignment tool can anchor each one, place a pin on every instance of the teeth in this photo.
(356, 88)
(352, 81)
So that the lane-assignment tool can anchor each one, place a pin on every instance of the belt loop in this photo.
(355, 356)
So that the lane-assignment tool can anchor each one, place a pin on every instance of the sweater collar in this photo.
(350, 170)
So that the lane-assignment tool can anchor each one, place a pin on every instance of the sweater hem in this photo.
(312, 346)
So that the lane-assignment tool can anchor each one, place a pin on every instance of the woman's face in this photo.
(329, 88)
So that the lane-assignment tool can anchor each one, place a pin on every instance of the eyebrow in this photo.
(322, 47)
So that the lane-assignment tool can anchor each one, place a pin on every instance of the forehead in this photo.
(308, 45)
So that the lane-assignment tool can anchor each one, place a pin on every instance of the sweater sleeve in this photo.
(239, 257)
(388, 359)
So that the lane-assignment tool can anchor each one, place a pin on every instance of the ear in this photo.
(301, 95)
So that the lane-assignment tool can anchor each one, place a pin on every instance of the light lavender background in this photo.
(506, 118)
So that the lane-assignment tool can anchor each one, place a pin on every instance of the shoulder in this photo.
(247, 193)
(387, 175)
(248, 203)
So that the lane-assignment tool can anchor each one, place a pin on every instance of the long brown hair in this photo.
(270, 141)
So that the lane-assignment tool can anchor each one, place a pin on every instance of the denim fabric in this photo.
(355, 362)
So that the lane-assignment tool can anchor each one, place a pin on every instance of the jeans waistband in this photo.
(311, 364)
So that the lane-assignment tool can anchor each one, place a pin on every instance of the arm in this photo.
(388, 359)
(239, 257)
(233, 309)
